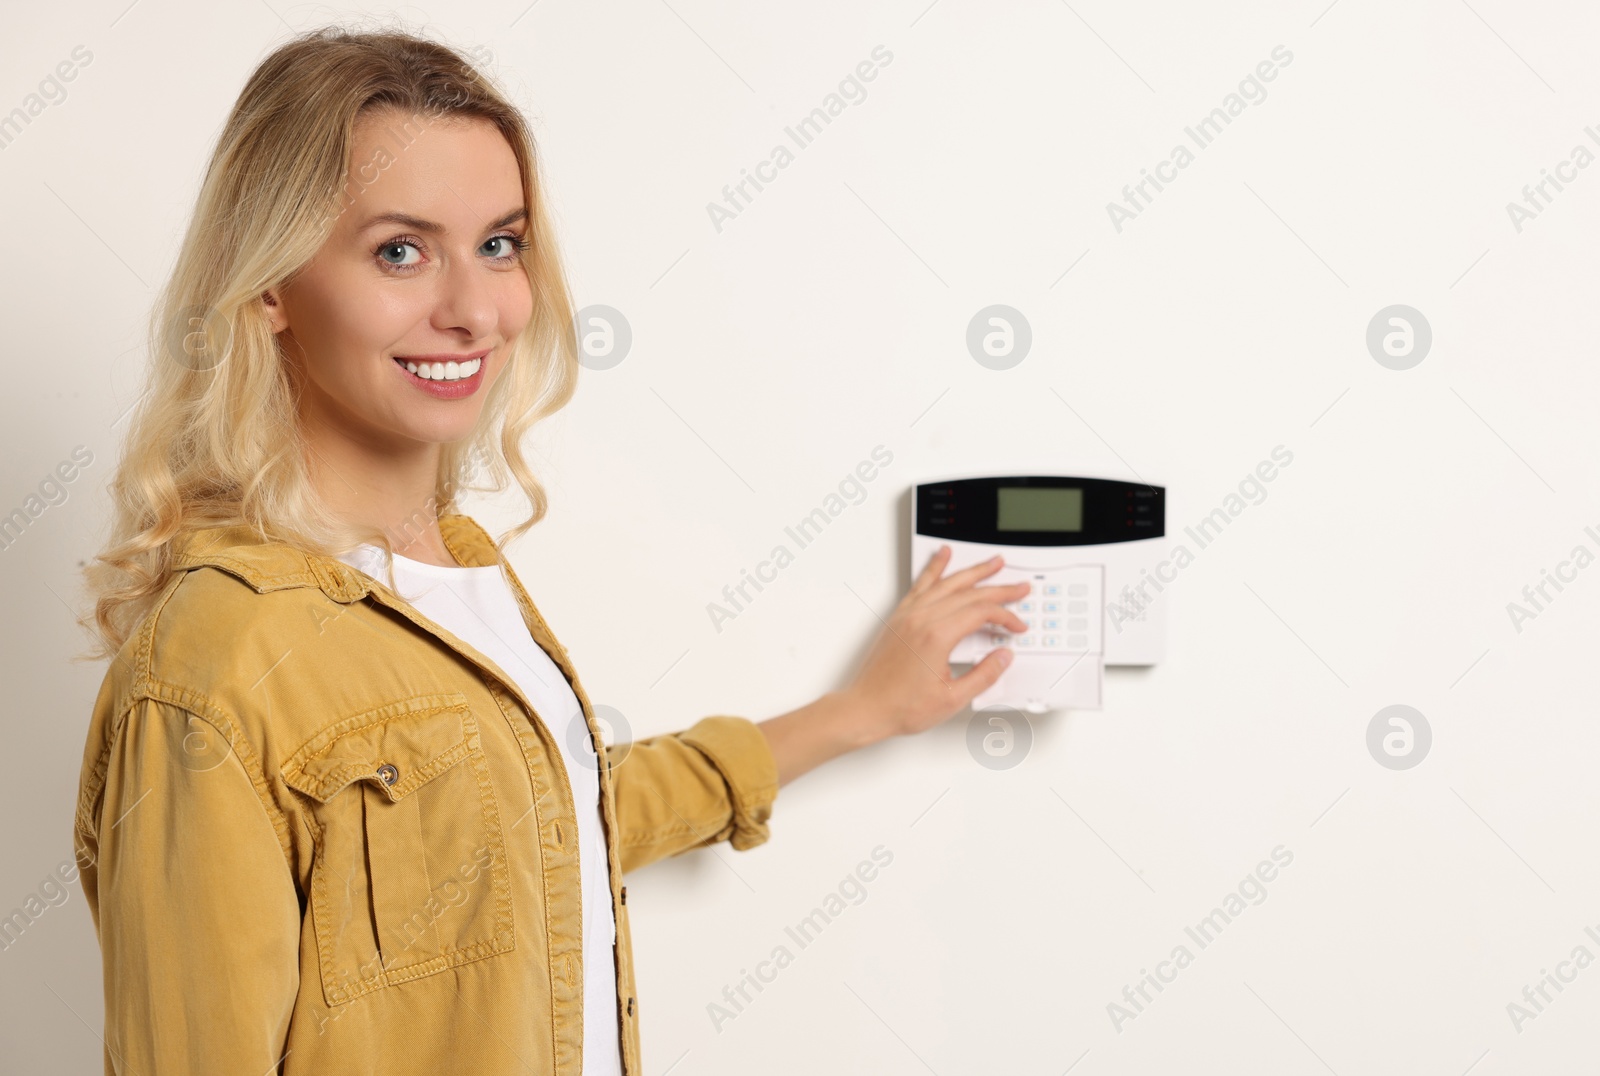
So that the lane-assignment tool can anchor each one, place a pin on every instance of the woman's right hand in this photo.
(906, 680)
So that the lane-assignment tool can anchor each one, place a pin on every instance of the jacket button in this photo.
(624, 894)
(389, 773)
(630, 1006)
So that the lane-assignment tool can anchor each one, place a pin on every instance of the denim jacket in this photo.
(316, 830)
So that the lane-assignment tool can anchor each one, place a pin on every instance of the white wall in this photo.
(769, 358)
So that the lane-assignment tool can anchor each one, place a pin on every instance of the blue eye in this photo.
(398, 248)
(514, 245)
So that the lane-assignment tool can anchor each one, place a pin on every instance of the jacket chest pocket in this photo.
(410, 872)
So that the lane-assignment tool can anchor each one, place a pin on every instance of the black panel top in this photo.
(1035, 510)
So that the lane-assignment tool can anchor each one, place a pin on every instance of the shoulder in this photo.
(217, 646)
(176, 686)
(213, 630)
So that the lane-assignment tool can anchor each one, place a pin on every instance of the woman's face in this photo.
(422, 269)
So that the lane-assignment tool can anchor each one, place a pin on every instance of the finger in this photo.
(988, 604)
(966, 577)
(971, 617)
(981, 676)
(958, 622)
(930, 571)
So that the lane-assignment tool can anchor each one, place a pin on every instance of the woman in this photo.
(345, 805)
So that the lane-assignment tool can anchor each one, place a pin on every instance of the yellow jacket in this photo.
(316, 829)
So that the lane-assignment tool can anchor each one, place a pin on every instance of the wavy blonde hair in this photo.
(215, 438)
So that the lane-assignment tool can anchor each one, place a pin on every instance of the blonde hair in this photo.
(215, 438)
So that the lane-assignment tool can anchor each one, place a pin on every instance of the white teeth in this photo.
(445, 371)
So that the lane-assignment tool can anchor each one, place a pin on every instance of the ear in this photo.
(272, 303)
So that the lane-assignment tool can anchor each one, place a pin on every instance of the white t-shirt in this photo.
(477, 605)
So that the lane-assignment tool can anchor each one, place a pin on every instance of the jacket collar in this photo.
(277, 565)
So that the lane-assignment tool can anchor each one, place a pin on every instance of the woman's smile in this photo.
(446, 376)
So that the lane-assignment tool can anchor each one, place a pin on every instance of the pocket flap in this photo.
(398, 747)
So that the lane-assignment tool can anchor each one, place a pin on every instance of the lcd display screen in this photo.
(1039, 508)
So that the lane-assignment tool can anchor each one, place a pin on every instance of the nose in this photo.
(466, 300)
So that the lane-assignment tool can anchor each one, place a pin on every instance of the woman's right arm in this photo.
(193, 900)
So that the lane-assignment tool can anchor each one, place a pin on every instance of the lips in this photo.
(443, 356)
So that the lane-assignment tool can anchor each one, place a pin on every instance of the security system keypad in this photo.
(1093, 551)
(1063, 611)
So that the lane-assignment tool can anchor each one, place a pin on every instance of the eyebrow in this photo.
(406, 220)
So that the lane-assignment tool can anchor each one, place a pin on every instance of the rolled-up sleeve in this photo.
(714, 781)
(193, 901)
